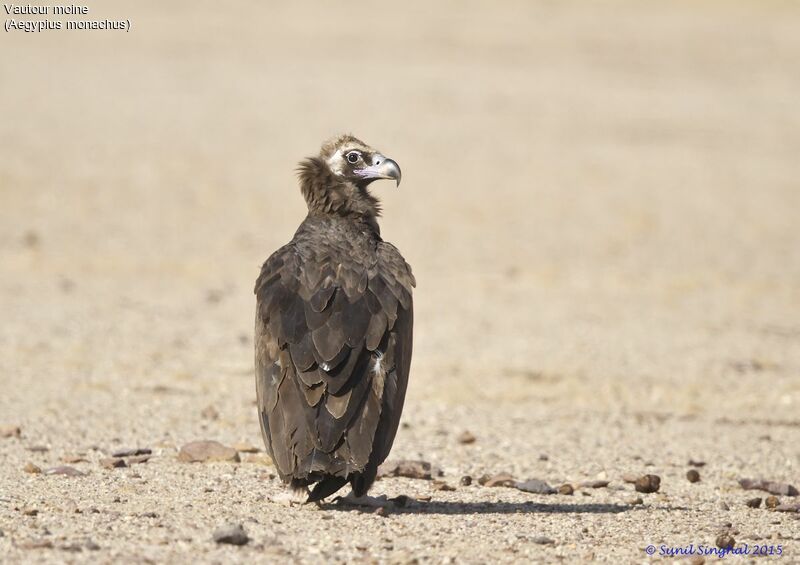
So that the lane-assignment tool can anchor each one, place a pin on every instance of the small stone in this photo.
(38, 448)
(786, 507)
(113, 463)
(772, 502)
(30, 511)
(535, 486)
(634, 501)
(500, 480)
(242, 447)
(411, 469)
(73, 547)
(544, 457)
(441, 485)
(648, 483)
(203, 451)
(31, 468)
(692, 476)
(754, 502)
(466, 438)
(65, 470)
(630, 478)
(723, 505)
(400, 501)
(465, 481)
(232, 534)
(693, 463)
(72, 458)
(566, 489)
(36, 544)
(594, 484)
(10, 431)
(542, 540)
(697, 560)
(725, 541)
(91, 546)
(132, 452)
(772, 487)
(138, 459)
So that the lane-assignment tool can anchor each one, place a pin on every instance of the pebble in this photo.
(465, 481)
(137, 459)
(38, 448)
(693, 463)
(65, 470)
(10, 431)
(207, 450)
(772, 487)
(754, 502)
(566, 489)
(772, 502)
(594, 484)
(787, 507)
(400, 501)
(499, 480)
(648, 483)
(542, 540)
(723, 505)
(725, 541)
(31, 468)
(242, 447)
(634, 501)
(113, 463)
(411, 469)
(30, 511)
(535, 486)
(232, 534)
(72, 458)
(441, 485)
(692, 476)
(36, 544)
(466, 438)
(130, 452)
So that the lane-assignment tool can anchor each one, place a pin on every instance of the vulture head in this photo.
(336, 181)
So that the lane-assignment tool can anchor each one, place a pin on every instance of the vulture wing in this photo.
(332, 355)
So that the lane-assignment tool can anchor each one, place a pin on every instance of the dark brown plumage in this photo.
(333, 329)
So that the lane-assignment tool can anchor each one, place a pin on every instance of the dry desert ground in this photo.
(601, 204)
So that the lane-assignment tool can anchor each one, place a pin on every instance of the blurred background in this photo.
(600, 202)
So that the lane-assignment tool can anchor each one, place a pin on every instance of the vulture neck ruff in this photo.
(327, 194)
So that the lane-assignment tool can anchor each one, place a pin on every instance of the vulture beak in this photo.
(381, 168)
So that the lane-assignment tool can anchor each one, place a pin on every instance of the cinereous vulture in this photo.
(333, 330)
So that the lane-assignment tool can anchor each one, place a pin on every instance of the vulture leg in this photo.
(326, 487)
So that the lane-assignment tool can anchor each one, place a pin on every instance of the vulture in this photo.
(333, 330)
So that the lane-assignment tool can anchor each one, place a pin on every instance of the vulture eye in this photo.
(353, 157)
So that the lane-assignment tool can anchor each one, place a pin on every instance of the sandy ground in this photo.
(601, 205)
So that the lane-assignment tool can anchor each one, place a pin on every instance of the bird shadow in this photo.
(458, 508)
